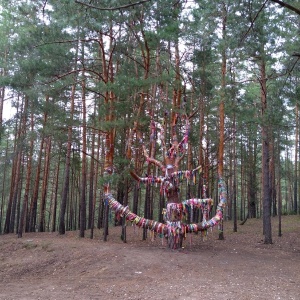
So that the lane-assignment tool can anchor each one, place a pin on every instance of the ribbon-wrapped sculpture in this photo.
(175, 226)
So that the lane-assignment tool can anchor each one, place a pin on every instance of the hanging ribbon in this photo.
(176, 228)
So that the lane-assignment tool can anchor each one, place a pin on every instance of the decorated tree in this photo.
(177, 214)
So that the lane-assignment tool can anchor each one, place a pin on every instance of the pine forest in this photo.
(82, 83)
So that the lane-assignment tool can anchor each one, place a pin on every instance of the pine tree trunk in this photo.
(23, 217)
(15, 192)
(125, 202)
(273, 195)
(222, 110)
(3, 72)
(234, 196)
(83, 165)
(234, 188)
(15, 215)
(288, 196)
(54, 196)
(120, 199)
(91, 179)
(100, 222)
(2, 93)
(135, 198)
(109, 98)
(23, 131)
(148, 190)
(95, 177)
(147, 207)
(265, 158)
(278, 154)
(35, 195)
(19, 195)
(42, 220)
(65, 193)
(242, 208)
(206, 168)
(66, 184)
(71, 213)
(16, 170)
(296, 160)
(251, 180)
(10, 198)
(3, 187)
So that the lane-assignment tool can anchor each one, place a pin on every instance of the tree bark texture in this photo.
(265, 157)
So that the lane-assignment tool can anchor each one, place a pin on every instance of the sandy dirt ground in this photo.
(50, 266)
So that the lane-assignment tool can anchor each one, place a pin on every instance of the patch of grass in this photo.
(29, 245)
(46, 246)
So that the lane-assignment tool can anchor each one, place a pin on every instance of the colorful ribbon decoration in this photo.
(175, 227)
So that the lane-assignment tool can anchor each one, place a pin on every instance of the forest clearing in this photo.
(51, 266)
(173, 116)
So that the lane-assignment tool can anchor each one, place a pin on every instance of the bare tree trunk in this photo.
(83, 166)
(234, 189)
(251, 179)
(3, 187)
(279, 189)
(54, 196)
(265, 157)
(16, 192)
(222, 110)
(20, 194)
(288, 196)
(242, 208)
(125, 201)
(10, 198)
(19, 170)
(135, 198)
(71, 213)
(272, 175)
(13, 174)
(95, 171)
(148, 189)
(296, 160)
(63, 204)
(11, 211)
(66, 185)
(42, 221)
(100, 222)
(91, 179)
(3, 72)
(2, 93)
(27, 184)
(34, 199)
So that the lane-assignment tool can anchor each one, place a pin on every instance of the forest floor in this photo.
(50, 266)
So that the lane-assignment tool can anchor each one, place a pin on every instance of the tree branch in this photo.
(252, 23)
(67, 41)
(43, 9)
(113, 8)
(153, 160)
(290, 7)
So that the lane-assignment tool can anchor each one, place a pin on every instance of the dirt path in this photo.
(49, 266)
